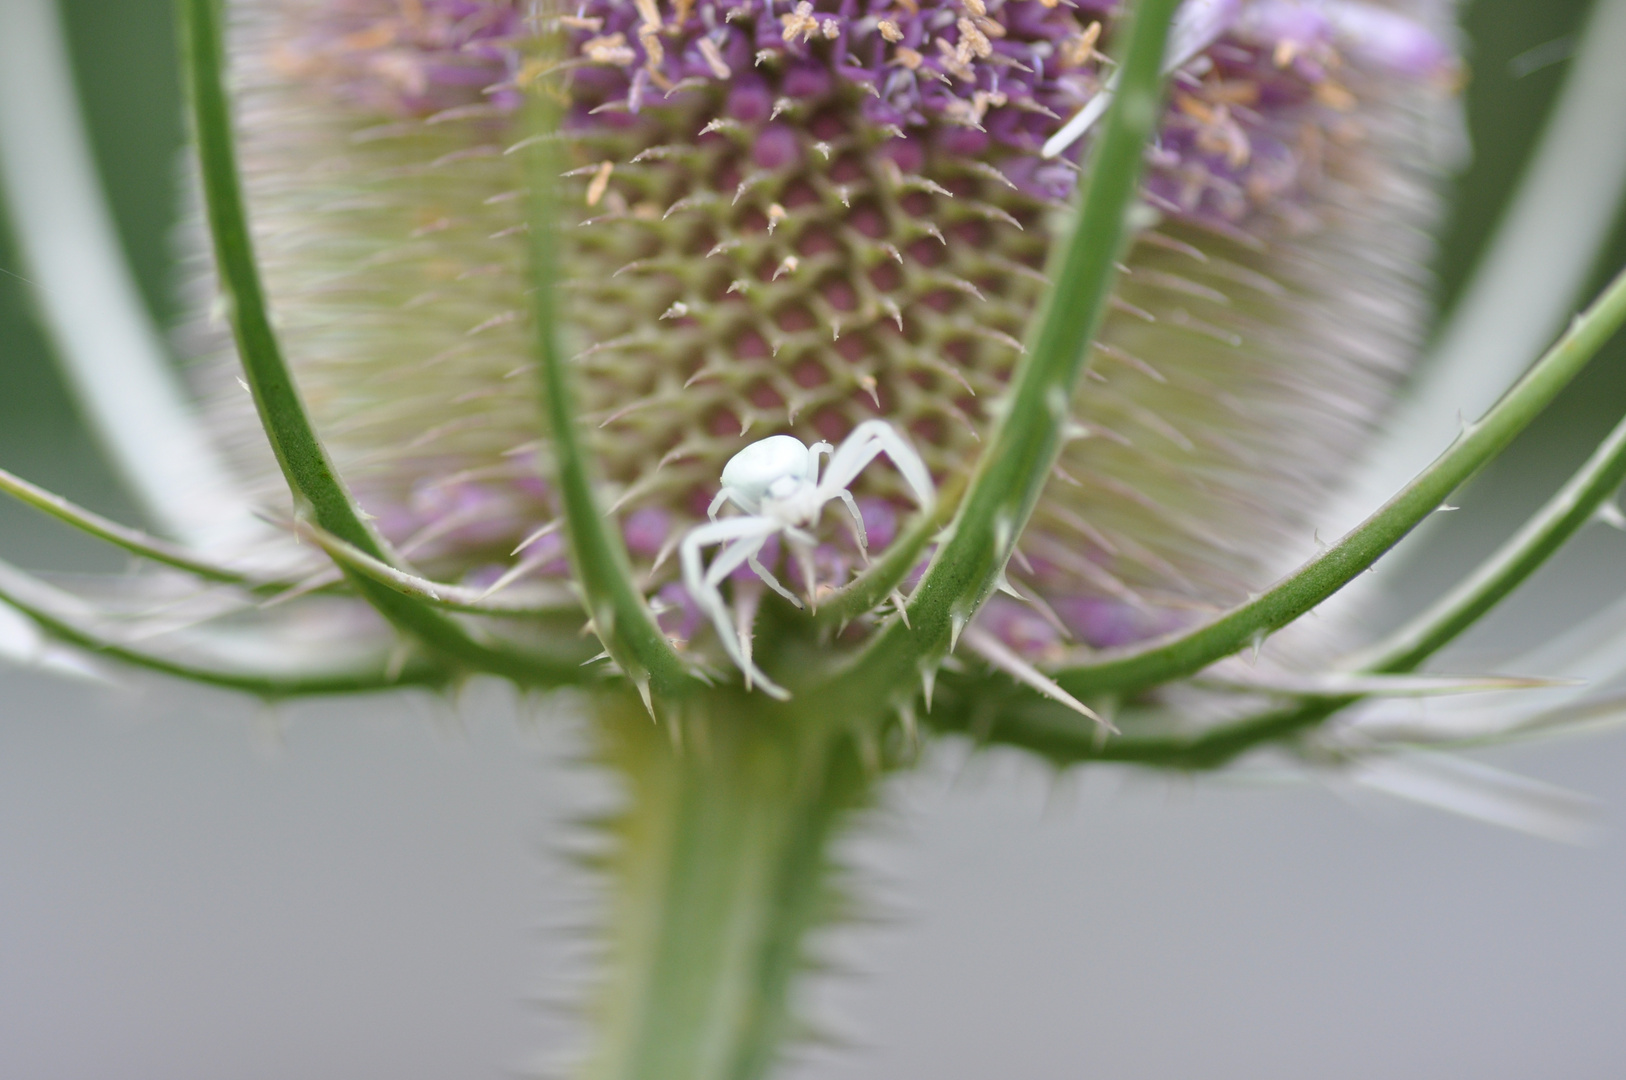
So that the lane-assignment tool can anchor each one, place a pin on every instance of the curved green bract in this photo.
(1012, 472)
(1575, 504)
(134, 541)
(619, 612)
(438, 593)
(299, 452)
(46, 607)
(1013, 716)
(1180, 655)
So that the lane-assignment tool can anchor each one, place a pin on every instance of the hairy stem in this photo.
(720, 869)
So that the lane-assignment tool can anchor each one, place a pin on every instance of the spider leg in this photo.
(742, 538)
(874, 437)
(761, 571)
(772, 582)
(802, 546)
(858, 521)
(727, 494)
(813, 453)
(856, 451)
(747, 598)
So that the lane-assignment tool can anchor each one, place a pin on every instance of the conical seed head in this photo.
(790, 218)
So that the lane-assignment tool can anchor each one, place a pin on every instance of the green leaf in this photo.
(536, 603)
(1533, 272)
(870, 589)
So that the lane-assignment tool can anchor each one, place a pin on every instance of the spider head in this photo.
(771, 468)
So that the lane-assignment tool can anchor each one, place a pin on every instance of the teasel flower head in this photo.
(1088, 358)
(792, 218)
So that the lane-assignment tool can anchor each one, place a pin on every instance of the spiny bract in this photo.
(792, 217)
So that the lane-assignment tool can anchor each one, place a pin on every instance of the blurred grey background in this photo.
(194, 887)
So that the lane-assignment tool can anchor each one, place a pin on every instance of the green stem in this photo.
(1179, 655)
(720, 869)
(1014, 469)
(620, 614)
(304, 461)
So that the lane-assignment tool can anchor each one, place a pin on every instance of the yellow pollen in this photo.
(1198, 110)
(1234, 92)
(600, 183)
(577, 22)
(976, 7)
(714, 58)
(832, 29)
(908, 57)
(956, 59)
(1286, 52)
(609, 49)
(530, 72)
(799, 23)
(1334, 96)
(973, 40)
(654, 52)
(889, 30)
(377, 36)
(1076, 49)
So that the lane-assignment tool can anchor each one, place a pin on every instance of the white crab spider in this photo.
(775, 482)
